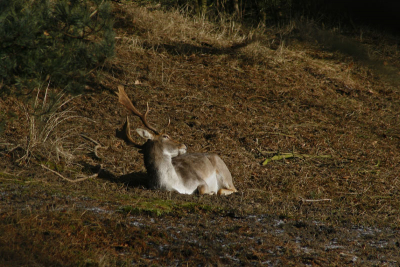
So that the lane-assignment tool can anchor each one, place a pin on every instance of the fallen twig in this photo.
(293, 155)
(70, 180)
(316, 200)
(11, 149)
(98, 145)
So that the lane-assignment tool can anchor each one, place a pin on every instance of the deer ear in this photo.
(145, 134)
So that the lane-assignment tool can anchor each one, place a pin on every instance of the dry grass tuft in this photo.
(46, 139)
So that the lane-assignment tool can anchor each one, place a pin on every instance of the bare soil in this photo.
(327, 120)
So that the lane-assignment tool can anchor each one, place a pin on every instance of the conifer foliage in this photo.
(61, 41)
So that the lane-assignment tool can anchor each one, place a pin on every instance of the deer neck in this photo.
(159, 167)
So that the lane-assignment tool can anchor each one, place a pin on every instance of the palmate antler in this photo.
(124, 133)
(125, 101)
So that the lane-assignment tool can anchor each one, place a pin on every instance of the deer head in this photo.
(163, 142)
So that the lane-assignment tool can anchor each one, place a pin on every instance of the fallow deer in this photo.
(168, 165)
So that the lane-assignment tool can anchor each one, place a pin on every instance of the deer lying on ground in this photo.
(168, 165)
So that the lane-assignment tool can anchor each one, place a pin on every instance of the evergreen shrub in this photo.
(60, 41)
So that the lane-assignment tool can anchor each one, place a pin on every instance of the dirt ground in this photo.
(309, 130)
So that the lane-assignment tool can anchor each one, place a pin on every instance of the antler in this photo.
(124, 100)
(125, 135)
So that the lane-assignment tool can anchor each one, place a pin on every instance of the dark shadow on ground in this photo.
(134, 179)
(182, 48)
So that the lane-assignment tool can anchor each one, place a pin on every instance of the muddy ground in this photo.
(326, 120)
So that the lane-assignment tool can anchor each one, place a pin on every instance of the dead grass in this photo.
(43, 120)
(43, 131)
(158, 27)
(246, 96)
(247, 100)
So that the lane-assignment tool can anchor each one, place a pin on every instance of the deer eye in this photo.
(165, 136)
